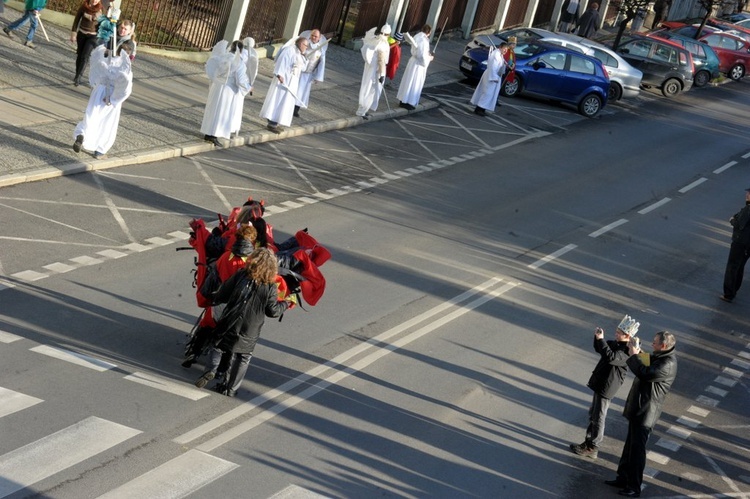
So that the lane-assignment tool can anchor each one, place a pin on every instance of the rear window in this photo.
(527, 50)
(606, 59)
(665, 54)
(638, 48)
(581, 65)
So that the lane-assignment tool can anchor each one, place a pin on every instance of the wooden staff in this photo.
(440, 35)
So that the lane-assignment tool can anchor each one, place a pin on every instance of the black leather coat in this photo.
(650, 387)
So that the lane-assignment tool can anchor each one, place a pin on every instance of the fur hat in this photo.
(629, 326)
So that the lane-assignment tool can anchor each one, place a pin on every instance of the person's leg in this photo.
(214, 358)
(237, 372)
(34, 22)
(624, 464)
(19, 22)
(637, 462)
(80, 44)
(741, 269)
(598, 416)
(734, 270)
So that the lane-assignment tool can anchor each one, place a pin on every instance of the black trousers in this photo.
(86, 45)
(633, 459)
(735, 271)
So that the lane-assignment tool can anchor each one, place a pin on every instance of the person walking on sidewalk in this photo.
(31, 13)
(375, 53)
(606, 379)
(589, 22)
(278, 108)
(83, 34)
(653, 380)
(412, 82)
(251, 295)
(487, 91)
(317, 46)
(739, 251)
(112, 79)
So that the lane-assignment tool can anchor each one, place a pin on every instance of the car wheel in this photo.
(590, 105)
(512, 88)
(701, 79)
(615, 92)
(671, 87)
(737, 72)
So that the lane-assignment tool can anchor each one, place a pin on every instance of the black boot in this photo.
(296, 111)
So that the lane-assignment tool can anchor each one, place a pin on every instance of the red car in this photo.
(733, 52)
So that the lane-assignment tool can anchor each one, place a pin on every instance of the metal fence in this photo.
(265, 20)
(370, 14)
(485, 15)
(178, 24)
(324, 15)
(416, 16)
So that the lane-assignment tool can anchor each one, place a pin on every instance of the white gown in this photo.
(410, 89)
(375, 52)
(279, 104)
(112, 80)
(315, 70)
(250, 59)
(488, 90)
(228, 76)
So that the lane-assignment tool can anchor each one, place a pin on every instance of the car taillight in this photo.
(606, 73)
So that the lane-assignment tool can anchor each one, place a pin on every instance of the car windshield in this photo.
(527, 50)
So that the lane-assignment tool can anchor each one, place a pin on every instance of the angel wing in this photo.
(252, 65)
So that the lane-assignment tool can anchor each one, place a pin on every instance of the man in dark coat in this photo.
(589, 22)
(653, 379)
(606, 379)
(739, 251)
(251, 296)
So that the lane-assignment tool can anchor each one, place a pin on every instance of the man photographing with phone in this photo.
(643, 407)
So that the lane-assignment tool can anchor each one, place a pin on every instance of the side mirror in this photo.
(539, 65)
(624, 51)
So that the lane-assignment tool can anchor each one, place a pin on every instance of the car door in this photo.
(546, 74)
(637, 52)
(580, 77)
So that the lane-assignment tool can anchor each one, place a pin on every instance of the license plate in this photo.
(466, 65)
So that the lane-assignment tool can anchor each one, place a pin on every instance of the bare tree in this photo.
(709, 6)
(627, 9)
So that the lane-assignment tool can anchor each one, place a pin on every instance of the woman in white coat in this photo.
(412, 82)
(488, 90)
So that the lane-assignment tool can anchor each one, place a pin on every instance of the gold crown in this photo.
(629, 326)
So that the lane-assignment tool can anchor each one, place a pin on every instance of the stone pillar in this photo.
(433, 17)
(502, 13)
(468, 20)
(294, 19)
(528, 19)
(236, 20)
(396, 10)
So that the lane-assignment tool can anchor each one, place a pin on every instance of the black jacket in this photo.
(741, 226)
(248, 305)
(650, 387)
(609, 373)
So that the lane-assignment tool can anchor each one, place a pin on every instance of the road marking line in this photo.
(29, 275)
(741, 364)
(680, 432)
(379, 351)
(86, 260)
(11, 401)
(365, 185)
(334, 363)
(707, 401)
(297, 492)
(61, 450)
(113, 209)
(721, 473)
(179, 235)
(379, 180)
(159, 241)
(552, 256)
(307, 200)
(654, 206)
(716, 391)
(174, 479)
(745, 355)
(113, 254)
(656, 457)
(291, 205)
(167, 385)
(698, 411)
(746, 155)
(725, 381)
(692, 185)
(725, 167)
(59, 268)
(692, 423)
(6, 337)
(137, 247)
(74, 358)
(732, 372)
(609, 227)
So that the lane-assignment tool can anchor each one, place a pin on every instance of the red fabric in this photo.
(510, 59)
(318, 253)
(314, 285)
(394, 59)
(228, 264)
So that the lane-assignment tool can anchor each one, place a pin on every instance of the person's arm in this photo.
(76, 22)
(274, 307)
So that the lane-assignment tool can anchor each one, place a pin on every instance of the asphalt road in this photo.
(472, 259)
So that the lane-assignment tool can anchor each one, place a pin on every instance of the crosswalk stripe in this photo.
(177, 478)
(6, 337)
(74, 358)
(11, 401)
(167, 385)
(297, 492)
(59, 451)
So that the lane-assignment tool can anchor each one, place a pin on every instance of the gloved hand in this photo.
(292, 301)
(381, 79)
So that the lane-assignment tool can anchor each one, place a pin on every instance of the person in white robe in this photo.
(317, 45)
(410, 89)
(486, 94)
(112, 80)
(278, 108)
(375, 52)
(249, 58)
(228, 76)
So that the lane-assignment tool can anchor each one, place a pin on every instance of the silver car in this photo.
(625, 80)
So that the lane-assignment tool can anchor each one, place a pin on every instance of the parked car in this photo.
(664, 64)
(705, 60)
(521, 34)
(690, 30)
(733, 52)
(556, 73)
(624, 79)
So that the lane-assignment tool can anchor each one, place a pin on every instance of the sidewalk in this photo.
(39, 106)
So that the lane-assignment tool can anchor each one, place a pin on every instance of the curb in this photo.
(198, 147)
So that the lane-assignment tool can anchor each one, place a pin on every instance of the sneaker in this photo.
(576, 447)
(203, 380)
(589, 452)
(30, 44)
(7, 32)
(78, 143)
(99, 155)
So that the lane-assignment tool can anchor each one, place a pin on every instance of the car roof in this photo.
(640, 36)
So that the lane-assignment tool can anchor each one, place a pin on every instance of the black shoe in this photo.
(203, 380)
(629, 493)
(212, 139)
(78, 143)
(273, 128)
(480, 111)
(588, 451)
(7, 32)
(617, 482)
(409, 107)
(575, 447)
(726, 298)
(188, 362)
(365, 116)
(77, 80)
(296, 112)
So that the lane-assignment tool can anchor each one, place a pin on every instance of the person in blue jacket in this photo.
(30, 14)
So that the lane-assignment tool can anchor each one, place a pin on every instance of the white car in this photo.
(625, 80)
(522, 34)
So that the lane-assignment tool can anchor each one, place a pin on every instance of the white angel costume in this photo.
(375, 52)
(112, 82)
(249, 57)
(278, 108)
(488, 90)
(410, 89)
(228, 77)
(316, 67)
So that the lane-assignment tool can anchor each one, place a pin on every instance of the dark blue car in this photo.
(549, 71)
